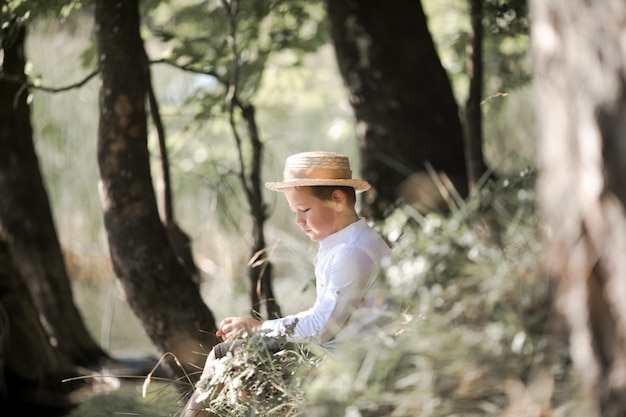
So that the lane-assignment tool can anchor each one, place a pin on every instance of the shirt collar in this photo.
(341, 235)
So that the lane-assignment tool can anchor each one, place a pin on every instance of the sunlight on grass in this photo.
(162, 400)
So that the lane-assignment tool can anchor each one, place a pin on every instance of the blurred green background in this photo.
(298, 107)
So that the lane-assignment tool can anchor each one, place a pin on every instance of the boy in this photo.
(320, 190)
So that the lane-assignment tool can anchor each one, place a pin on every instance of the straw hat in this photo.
(318, 168)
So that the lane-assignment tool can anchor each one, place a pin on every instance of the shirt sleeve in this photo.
(348, 278)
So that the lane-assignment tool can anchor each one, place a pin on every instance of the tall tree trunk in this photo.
(25, 216)
(31, 369)
(261, 269)
(406, 115)
(158, 289)
(579, 50)
(476, 166)
(180, 241)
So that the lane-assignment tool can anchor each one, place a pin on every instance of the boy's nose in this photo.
(299, 219)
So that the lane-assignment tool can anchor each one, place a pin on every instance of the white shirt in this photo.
(346, 266)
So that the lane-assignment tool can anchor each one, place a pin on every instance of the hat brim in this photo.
(358, 185)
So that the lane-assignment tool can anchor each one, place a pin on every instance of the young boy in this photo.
(320, 190)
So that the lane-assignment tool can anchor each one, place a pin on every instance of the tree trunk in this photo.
(261, 269)
(25, 216)
(580, 67)
(31, 370)
(406, 115)
(159, 290)
(476, 166)
(180, 241)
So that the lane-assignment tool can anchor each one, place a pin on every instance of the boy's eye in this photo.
(300, 210)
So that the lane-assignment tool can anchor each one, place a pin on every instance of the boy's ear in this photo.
(339, 197)
(336, 195)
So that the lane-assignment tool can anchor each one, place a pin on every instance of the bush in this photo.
(254, 381)
(475, 331)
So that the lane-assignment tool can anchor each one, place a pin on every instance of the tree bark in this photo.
(261, 269)
(26, 218)
(180, 241)
(476, 166)
(406, 115)
(31, 369)
(159, 290)
(580, 68)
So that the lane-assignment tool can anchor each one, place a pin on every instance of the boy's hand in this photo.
(233, 326)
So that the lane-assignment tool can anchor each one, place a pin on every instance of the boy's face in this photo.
(317, 218)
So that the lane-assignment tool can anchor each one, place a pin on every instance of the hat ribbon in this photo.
(317, 173)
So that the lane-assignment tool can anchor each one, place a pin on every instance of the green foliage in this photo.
(15, 14)
(480, 335)
(508, 117)
(204, 37)
(507, 40)
(505, 43)
(475, 333)
(21, 11)
(228, 46)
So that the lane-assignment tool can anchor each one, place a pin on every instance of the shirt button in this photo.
(338, 293)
